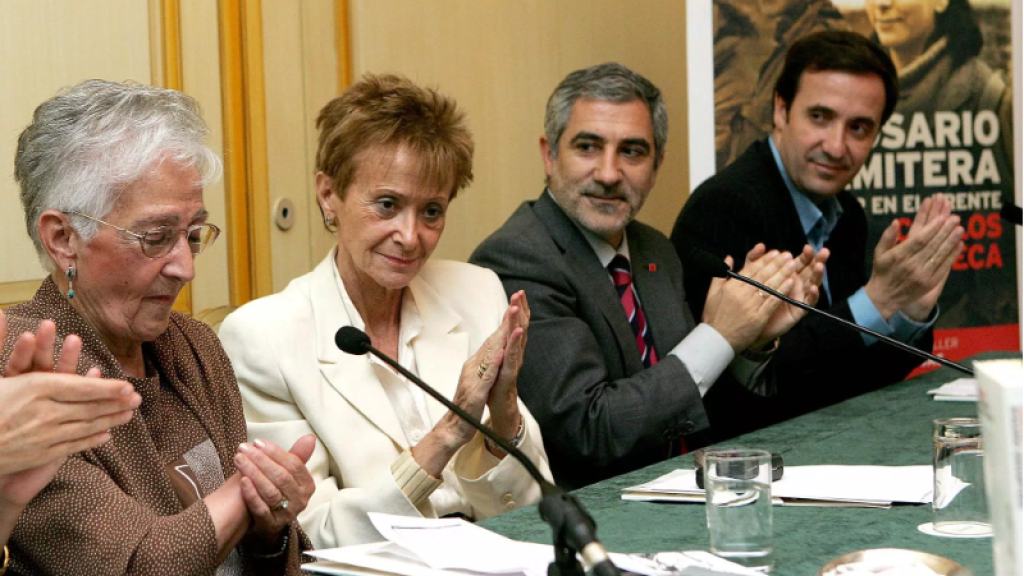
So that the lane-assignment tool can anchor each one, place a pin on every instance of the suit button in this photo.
(506, 498)
(511, 505)
(688, 427)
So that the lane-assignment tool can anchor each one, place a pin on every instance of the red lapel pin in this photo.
(652, 267)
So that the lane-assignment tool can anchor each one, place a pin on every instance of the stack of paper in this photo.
(959, 390)
(855, 486)
(449, 547)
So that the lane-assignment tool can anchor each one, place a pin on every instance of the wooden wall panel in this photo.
(44, 46)
(300, 76)
(201, 80)
(501, 60)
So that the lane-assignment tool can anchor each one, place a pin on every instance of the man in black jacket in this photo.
(835, 92)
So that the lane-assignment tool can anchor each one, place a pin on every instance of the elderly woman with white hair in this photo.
(111, 179)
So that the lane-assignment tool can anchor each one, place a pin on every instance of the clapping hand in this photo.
(276, 486)
(488, 379)
(740, 312)
(503, 398)
(808, 273)
(50, 412)
(910, 275)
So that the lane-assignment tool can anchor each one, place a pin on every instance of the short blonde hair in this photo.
(388, 111)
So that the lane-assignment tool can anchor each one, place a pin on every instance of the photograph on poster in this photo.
(951, 131)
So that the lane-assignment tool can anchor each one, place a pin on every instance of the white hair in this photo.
(92, 140)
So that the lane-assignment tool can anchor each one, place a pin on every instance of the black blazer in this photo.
(818, 362)
(600, 411)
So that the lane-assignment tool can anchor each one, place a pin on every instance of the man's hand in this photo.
(809, 271)
(740, 312)
(909, 276)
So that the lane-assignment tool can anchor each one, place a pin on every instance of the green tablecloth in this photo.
(891, 426)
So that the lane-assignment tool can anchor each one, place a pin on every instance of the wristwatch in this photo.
(515, 442)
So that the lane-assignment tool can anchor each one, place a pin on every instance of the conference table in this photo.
(887, 427)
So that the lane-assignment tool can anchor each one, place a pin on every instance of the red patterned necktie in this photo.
(623, 279)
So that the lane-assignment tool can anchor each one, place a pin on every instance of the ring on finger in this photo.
(761, 294)
(481, 369)
(282, 505)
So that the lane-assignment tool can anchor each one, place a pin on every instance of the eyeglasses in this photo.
(158, 242)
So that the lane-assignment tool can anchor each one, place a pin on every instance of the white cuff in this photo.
(706, 354)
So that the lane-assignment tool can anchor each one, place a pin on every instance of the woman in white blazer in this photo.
(391, 157)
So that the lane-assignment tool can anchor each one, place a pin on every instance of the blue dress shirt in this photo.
(818, 223)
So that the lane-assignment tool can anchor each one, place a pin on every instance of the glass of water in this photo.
(738, 486)
(959, 502)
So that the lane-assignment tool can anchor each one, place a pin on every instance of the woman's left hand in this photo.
(503, 398)
(276, 486)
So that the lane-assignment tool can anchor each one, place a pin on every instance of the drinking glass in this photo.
(738, 487)
(959, 502)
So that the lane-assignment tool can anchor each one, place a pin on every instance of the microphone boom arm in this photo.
(531, 468)
(853, 325)
(574, 529)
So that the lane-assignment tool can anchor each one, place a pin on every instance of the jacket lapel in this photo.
(440, 348)
(352, 377)
(585, 266)
(659, 299)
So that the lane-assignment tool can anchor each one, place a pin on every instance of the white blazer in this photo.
(294, 381)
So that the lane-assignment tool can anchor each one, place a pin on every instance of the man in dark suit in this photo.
(834, 93)
(615, 368)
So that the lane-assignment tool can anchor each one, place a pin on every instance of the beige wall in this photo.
(48, 44)
(501, 59)
(300, 68)
(201, 80)
(42, 48)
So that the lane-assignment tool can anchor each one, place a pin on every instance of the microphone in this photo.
(707, 263)
(574, 529)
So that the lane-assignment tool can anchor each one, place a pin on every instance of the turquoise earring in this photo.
(71, 275)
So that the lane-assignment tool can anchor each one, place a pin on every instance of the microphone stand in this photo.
(574, 530)
(853, 325)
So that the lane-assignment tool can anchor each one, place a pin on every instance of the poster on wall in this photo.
(951, 131)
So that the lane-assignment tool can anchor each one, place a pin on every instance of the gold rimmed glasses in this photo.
(158, 242)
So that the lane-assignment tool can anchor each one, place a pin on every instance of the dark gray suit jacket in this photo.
(601, 412)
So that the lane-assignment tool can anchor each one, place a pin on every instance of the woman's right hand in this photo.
(479, 373)
(276, 485)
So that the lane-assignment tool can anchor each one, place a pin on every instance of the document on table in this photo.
(827, 485)
(449, 547)
(959, 390)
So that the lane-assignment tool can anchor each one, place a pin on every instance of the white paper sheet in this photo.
(959, 390)
(878, 485)
(453, 544)
(376, 558)
(449, 547)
